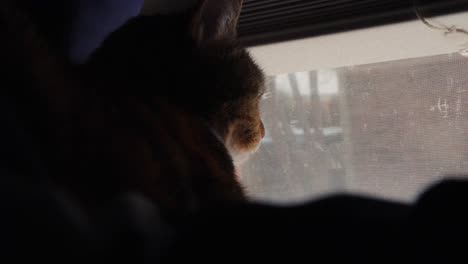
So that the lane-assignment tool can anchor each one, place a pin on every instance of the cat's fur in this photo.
(194, 61)
(153, 112)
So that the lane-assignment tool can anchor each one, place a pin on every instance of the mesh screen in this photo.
(388, 129)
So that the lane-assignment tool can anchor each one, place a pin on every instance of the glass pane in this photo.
(388, 129)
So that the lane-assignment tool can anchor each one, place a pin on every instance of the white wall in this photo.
(378, 44)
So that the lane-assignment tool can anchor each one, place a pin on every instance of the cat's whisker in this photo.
(267, 95)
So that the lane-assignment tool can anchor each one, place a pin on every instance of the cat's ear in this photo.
(215, 19)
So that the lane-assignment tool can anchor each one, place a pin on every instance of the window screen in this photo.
(388, 130)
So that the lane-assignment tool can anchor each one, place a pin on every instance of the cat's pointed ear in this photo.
(215, 19)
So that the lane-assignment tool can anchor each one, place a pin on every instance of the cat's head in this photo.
(194, 60)
(236, 82)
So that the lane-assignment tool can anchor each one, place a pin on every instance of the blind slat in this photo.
(266, 21)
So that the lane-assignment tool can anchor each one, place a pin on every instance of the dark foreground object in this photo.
(39, 223)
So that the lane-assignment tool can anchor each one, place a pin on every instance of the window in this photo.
(385, 129)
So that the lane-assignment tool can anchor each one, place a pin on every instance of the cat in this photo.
(157, 110)
(194, 61)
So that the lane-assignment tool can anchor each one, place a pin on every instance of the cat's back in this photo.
(99, 143)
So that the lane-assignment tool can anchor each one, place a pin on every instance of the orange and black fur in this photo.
(194, 61)
(161, 109)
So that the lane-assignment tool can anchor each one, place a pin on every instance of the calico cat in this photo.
(194, 61)
(156, 111)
